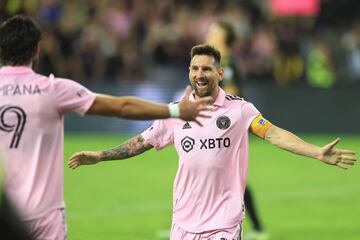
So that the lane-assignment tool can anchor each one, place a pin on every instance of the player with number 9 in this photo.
(32, 110)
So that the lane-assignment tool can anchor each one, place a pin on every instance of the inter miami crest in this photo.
(223, 122)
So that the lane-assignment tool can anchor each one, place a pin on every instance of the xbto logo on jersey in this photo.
(188, 143)
(212, 143)
(223, 122)
(17, 127)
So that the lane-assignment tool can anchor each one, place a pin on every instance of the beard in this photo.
(203, 92)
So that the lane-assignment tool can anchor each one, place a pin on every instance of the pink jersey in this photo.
(32, 109)
(213, 161)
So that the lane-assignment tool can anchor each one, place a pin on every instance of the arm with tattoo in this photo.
(128, 149)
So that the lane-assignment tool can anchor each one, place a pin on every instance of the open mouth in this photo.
(201, 84)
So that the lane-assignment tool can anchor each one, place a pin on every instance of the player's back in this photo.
(31, 133)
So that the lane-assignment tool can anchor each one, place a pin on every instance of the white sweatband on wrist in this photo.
(174, 110)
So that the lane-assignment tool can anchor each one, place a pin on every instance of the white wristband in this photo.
(174, 110)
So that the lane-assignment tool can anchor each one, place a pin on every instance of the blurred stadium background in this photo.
(301, 63)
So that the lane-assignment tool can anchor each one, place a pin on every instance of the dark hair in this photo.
(206, 49)
(19, 37)
(229, 32)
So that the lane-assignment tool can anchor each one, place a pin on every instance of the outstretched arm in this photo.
(128, 149)
(327, 154)
(140, 109)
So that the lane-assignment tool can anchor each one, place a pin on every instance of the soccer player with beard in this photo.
(32, 109)
(211, 178)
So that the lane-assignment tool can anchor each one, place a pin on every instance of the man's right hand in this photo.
(190, 110)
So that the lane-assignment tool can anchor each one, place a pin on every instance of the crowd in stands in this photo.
(114, 41)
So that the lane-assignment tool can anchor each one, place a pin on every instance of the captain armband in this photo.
(259, 126)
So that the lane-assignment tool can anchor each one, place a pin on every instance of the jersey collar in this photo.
(219, 101)
(15, 70)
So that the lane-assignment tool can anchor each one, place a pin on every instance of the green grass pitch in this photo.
(298, 198)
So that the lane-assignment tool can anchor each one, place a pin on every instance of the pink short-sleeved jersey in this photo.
(32, 108)
(213, 161)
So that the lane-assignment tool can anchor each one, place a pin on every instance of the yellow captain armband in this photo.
(259, 126)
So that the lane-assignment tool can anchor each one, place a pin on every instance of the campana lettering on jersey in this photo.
(17, 89)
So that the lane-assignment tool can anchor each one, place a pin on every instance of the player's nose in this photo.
(200, 74)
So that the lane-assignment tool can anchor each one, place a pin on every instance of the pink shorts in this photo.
(51, 226)
(234, 233)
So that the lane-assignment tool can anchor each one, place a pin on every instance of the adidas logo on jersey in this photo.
(186, 126)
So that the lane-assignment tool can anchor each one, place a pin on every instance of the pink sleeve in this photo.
(249, 113)
(160, 134)
(72, 97)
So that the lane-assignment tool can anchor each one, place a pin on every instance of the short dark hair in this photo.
(206, 49)
(229, 32)
(19, 37)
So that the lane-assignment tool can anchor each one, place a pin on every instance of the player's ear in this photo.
(221, 73)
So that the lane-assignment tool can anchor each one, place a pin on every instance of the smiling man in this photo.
(213, 160)
(202, 76)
